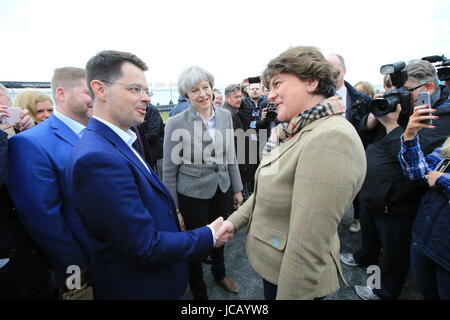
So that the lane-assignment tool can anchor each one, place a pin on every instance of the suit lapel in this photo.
(62, 130)
(149, 174)
(117, 142)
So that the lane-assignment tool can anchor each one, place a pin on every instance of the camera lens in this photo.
(271, 113)
(379, 107)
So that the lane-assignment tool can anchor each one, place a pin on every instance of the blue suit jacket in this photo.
(36, 181)
(138, 251)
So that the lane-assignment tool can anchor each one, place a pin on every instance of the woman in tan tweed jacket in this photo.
(313, 166)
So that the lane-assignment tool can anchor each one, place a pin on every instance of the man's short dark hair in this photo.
(107, 65)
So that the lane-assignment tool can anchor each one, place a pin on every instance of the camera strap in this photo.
(443, 165)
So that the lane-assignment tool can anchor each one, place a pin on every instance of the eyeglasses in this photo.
(411, 90)
(134, 88)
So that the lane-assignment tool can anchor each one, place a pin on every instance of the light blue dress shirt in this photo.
(75, 126)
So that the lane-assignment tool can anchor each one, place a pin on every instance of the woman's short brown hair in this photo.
(306, 63)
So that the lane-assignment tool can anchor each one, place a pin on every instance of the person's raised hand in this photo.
(25, 123)
(4, 114)
(415, 123)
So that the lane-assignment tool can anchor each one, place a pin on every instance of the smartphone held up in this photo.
(13, 116)
(424, 98)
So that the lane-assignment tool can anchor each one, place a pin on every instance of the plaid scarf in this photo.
(285, 130)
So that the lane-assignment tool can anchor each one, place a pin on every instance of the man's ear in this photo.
(99, 90)
(430, 87)
(60, 94)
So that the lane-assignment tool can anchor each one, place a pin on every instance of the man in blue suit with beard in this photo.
(131, 219)
(37, 162)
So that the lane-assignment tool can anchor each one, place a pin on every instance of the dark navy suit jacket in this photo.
(138, 249)
(36, 181)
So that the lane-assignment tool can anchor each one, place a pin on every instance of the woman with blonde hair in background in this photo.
(365, 87)
(38, 104)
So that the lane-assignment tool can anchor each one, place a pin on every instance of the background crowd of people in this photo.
(94, 178)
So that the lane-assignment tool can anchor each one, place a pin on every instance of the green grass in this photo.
(164, 116)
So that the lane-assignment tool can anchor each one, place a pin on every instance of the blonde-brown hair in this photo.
(67, 77)
(445, 151)
(367, 88)
(307, 63)
(28, 99)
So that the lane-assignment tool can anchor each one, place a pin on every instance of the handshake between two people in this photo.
(224, 231)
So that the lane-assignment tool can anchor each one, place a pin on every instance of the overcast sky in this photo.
(232, 39)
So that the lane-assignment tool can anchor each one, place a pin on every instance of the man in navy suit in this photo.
(357, 106)
(37, 162)
(130, 216)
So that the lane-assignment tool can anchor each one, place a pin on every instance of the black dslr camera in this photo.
(382, 106)
(271, 114)
(443, 68)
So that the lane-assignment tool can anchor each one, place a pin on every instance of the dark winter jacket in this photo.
(25, 276)
(153, 131)
(247, 111)
(431, 229)
(182, 105)
(359, 107)
(386, 189)
(238, 124)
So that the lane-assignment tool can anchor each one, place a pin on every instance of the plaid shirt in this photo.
(416, 166)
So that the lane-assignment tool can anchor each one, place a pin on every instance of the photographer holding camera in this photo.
(250, 114)
(390, 201)
(356, 106)
(268, 119)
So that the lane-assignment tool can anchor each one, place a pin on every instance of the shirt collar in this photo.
(129, 137)
(72, 124)
(342, 92)
(212, 115)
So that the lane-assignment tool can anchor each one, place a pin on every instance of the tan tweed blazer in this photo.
(302, 190)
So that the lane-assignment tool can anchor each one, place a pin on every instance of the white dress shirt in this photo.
(211, 124)
(342, 92)
(129, 137)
